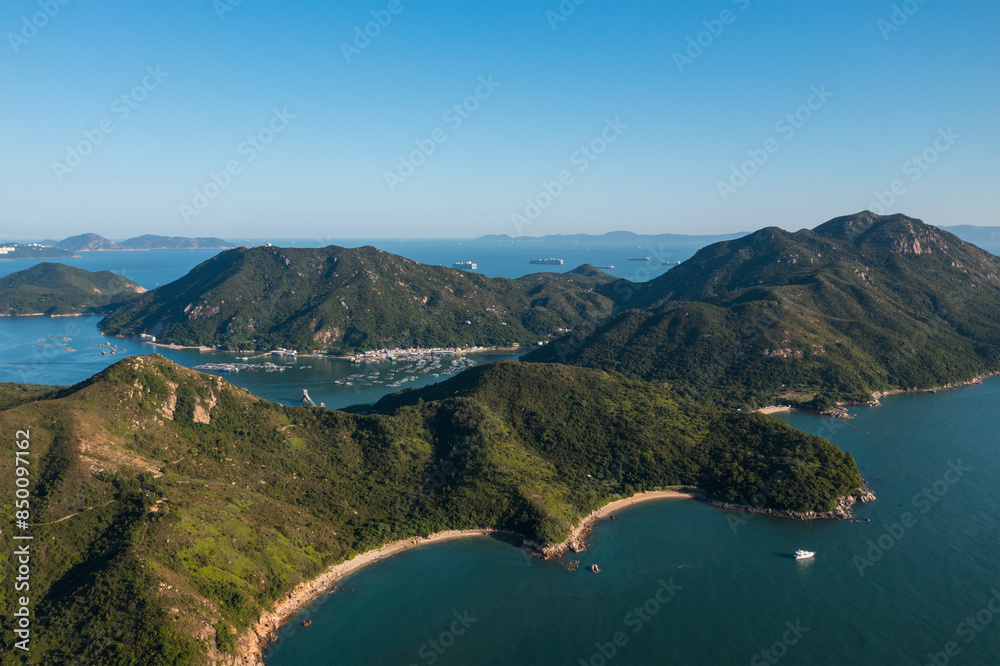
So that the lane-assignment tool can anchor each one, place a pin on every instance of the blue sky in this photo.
(252, 119)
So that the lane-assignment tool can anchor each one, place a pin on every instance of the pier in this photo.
(308, 402)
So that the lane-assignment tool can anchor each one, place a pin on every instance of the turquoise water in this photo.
(728, 587)
(34, 350)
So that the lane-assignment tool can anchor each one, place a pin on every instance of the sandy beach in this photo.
(575, 540)
(252, 643)
(774, 409)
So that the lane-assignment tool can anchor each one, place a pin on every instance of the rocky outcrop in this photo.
(843, 511)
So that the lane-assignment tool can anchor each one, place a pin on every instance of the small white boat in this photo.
(804, 554)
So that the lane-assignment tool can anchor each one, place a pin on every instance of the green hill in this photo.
(49, 288)
(87, 243)
(859, 304)
(169, 507)
(344, 299)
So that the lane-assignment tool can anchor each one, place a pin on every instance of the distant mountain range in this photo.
(96, 243)
(985, 237)
(614, 236)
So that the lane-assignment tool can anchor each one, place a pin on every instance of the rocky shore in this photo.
(844, 510)
(878, 395)
(841, 412)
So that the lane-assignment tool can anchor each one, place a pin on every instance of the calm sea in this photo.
(61, 350)
(496, 259)
(685, 583)
(32, 349)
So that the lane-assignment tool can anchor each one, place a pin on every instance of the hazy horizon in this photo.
(456, 120)
(329, 238)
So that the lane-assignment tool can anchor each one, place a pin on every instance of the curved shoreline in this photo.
(574, 542)
(252, 643)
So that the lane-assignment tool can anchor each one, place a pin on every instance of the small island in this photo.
(95, 243)
(33, 251)
(58, 289)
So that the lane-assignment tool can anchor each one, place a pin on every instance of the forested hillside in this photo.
(58, 289)
(169, 507)
(344, 300)
(859, 304)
